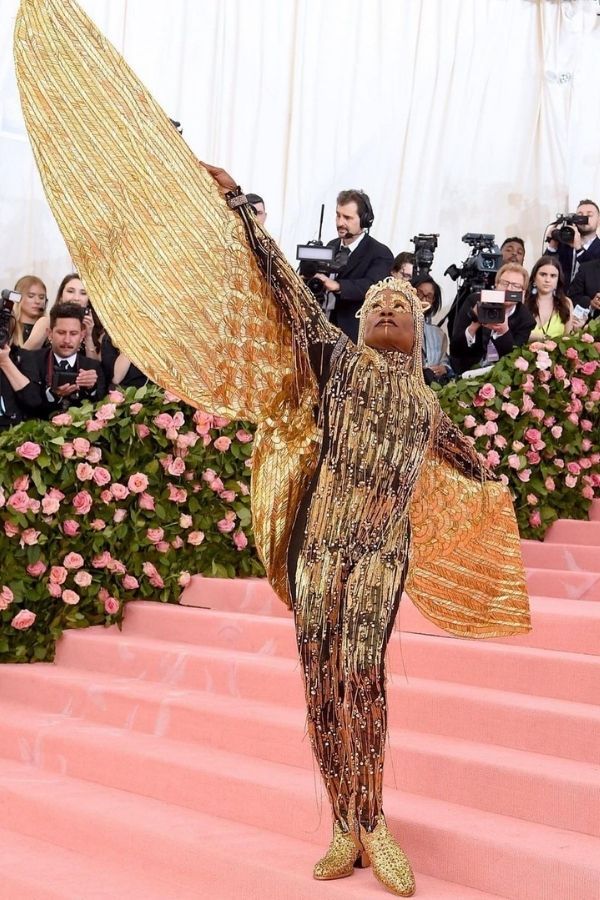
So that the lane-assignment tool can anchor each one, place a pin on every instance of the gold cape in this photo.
(174, 280)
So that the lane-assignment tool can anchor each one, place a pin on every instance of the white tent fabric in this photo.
(454, 115)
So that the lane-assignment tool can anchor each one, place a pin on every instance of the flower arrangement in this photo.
(120, 501)
(536, 421)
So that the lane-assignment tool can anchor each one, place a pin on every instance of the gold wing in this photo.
(165, 261)
(466, 571)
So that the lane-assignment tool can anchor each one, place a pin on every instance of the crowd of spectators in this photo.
(58, 357)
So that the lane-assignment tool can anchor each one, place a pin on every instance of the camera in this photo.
(425, 247)
(490, 308)
(315, 257)
(478, 271)
(7, 323)
(565, 233)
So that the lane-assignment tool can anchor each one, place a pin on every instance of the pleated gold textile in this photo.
(172, 275)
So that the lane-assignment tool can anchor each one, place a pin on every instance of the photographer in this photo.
(584, 245)
(475, 344)
(585, 293)
(66, 377)
(366, 261)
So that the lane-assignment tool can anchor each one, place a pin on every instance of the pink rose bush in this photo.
(119, 502)
(543, 402)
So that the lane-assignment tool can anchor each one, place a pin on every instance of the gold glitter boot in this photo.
(341, 857)
(390, 864)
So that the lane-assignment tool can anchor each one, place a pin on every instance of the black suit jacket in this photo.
(34, 364)
(565, 257)
(368, 264)
(463, 357)
(585, 285)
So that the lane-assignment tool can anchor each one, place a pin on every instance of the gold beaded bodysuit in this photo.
(374, 490)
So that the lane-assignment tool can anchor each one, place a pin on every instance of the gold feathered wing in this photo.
(174, 279)
(166, 262)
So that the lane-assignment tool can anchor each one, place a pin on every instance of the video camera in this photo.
(478, 271)
(425, 247)
(7, 323)
(565, 233)
(315, 258)
(490, 308)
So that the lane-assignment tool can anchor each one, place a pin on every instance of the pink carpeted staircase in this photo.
(168, 761)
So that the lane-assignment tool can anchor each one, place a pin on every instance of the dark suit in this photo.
(134, 377)
(520, 325)
(566, 256)
(368, 264)
(35, 365)
(586, 285)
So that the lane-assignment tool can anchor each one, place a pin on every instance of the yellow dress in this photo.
(553, 329)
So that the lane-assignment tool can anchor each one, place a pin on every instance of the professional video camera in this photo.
(425, 247)
(7, 322)
(315, 258)
(478, 271)
(490, 308)
(565, 233)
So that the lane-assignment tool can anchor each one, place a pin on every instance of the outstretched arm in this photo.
(451, 445)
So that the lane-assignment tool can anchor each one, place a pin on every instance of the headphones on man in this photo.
(366, 214)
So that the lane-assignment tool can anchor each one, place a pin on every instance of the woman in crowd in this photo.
(436, 364)
(71, 290)
(118, 369)
(30, 309)
(547, 301)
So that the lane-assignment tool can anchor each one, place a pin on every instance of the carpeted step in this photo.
(570, 557)
(574, 531)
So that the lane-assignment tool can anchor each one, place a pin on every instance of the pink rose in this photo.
(244, 437)
(549, 484)
(23, 620)
(155, 535)
(500, 441)
(487, 391)
(62, 419)
(29, 537)
(146, 501)
(532, 499)
(222, 444)
(586, 444)
(537, 414)
(491, 428)
(588, 492)
(153, 576)
(82, 579)
(172, 434)
(586, 425)
(29, 450)
(101, 476)
(106, 412)
(81, 446)
(221, 422)
(176, 494)
(514, 461)
(93, 425)
(111, 606)
(95, 455)
(178, 419)
(217, 486)
(533, 457)
(54, 590)
(511, 410)
(106, 496)
(587, 337)
(504, 480)
(184, 441)
(21, 483)
(116, 567)
(227, 524)
(73, 561)
(571, 353)
(479, 431)
(573, 468)
(102, 560)
(98, 524)
(490, 414)
(559, 372)
(67, 450)
(535, 519)
(116, 396)
(162, 547)
(470, 422)
(37, 569)
(559, 463)
(184, 579)
(527, 404)
(50, 505)
(493, 458)
(543, 361)
(195, 538)
(532, 435)
(556, 431)
(240, 540)
(521, 364)
(84, 471)
(176, 466)
(164, 421)
(228, 496)
(130, 583)
(209, 475)
(185, 521)
(6, 597)
(19, 501)
(119, 491)
(142, 431)
(120, 515)
(82, 503)
(571, 480)
(204, 422)
(58, 575)
(244, 489)
(70, 527)
(135, 408)
(524, 474)
(177, 544)
(70, 597)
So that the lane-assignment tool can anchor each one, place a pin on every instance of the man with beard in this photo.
(362, 261)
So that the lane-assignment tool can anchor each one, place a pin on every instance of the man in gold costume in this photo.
(374, 492)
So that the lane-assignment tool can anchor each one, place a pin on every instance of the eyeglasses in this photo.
(510, 285)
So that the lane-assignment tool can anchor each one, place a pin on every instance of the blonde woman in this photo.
(30, 308)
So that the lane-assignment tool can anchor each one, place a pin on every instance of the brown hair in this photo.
(561, 302)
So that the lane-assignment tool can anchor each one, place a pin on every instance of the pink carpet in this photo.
(168, 762)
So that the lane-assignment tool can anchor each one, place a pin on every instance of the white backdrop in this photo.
(454, 115)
